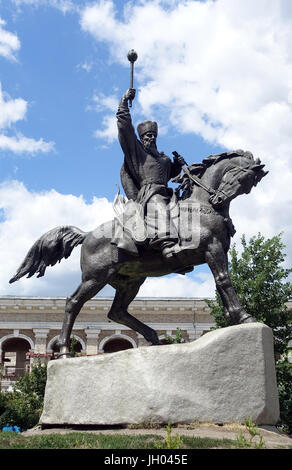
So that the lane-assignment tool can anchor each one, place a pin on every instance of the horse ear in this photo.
(259, 176)
(257, 167)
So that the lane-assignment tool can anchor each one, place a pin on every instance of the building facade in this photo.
(30, 326)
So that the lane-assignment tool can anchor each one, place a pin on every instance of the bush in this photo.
(284, 380)
(24, 405)
(3, 403)
(178, 337)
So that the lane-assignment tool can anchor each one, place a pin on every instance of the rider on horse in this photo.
(145, 175)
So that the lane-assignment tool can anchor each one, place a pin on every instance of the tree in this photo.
(23, 406)
(178, 337)
(284, 381)
(260, 282)
(73, 345)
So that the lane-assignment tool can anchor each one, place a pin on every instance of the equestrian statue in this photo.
(156, 231)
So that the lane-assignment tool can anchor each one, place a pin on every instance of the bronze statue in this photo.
(198, 228)
(145, 174)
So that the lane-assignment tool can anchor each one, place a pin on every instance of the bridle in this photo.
(215, 193)
(236, 171)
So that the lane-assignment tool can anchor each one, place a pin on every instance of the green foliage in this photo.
(170, 442)
(258, 278)
(73, 344)
(195, 442)
(260, 282)
(244, 443)
(79, 440)
(34, 383)
(284, 380)
(1, 373)
(23, 406)
(178, 337)
(3, 404)
(76, 440)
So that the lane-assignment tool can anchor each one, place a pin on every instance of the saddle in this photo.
(130, 230)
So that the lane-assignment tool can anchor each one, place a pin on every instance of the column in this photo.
(20, 363)
(92, 342)
(192, 335)
(41, 335)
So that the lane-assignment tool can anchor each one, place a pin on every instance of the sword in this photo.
(194, 178)
(132, 57)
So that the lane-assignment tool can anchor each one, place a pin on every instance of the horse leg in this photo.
(74, 303)
(118, 312)
(218, 263)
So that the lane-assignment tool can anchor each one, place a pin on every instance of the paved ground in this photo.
(273, 439)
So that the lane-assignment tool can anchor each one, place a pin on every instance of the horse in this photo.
(208, 188)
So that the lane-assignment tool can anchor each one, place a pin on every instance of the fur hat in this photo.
(147, 126)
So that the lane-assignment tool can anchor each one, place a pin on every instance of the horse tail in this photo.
(49, 249)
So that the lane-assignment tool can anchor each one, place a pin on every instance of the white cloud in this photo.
(9, 42)
(87, 66)
(21, 144)
(201, 285)
(103, 104)
(11, 111)
(225, 64)
(24, 217)
(109, 129)
(221, 69)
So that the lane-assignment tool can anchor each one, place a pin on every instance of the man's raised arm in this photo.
(127, 136)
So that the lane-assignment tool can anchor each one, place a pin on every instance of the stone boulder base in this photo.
(225, 376)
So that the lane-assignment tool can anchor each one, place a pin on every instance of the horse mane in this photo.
(198, 169)
(213, 159)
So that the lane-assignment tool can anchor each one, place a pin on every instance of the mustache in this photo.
(148, 145)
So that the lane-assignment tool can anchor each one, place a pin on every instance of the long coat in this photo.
(142, 174)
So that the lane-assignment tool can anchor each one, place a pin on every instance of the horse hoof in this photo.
(247, 319)
(65, 355)
(154, 341)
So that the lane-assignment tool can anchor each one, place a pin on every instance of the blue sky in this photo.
(52, 74)
(216, 75)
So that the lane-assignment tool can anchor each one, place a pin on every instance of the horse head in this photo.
(224, 176)
(240, 175)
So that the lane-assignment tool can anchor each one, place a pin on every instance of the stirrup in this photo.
(171, 251)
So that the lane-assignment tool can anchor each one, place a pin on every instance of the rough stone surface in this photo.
(225, 376)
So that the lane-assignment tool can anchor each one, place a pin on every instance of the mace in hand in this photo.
(132, 57)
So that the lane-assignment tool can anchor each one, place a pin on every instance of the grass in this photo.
(78, 440)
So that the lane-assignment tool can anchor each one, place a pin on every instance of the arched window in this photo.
(78, 344)
(14, 359)
(75, 345)
(117, 344)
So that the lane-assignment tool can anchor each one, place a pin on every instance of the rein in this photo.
(210, 190)
(197, 181)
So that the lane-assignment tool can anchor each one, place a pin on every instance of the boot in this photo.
(170, 251)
